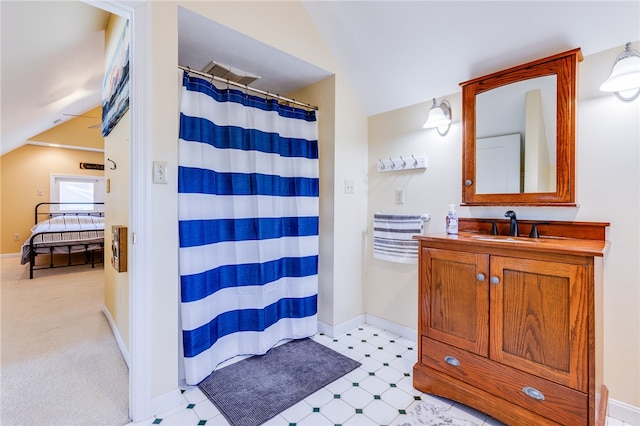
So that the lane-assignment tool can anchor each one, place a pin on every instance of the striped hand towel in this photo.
(392, 237)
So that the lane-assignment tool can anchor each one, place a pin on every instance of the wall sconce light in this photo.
(624, 80)
(439, 117)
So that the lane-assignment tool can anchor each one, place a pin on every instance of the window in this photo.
(77, 189)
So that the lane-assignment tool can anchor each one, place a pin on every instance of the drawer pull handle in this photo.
(480, 277)
(495, 280)
(533, 393)
(452, 361)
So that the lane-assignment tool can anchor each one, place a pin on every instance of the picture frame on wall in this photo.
(115, 86)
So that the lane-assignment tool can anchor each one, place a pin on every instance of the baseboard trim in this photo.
(383, 324)
(624, 412)
(337, 330)
(116, 334)
(400, 330)
(166, 402)
(8, 255)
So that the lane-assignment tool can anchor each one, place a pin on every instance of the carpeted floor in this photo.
(60, 361)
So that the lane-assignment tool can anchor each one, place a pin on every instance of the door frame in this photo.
(138, 13)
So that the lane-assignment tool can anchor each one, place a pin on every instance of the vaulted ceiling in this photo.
(393, 53)
(52, 64)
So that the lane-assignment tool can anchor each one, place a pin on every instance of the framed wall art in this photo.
(115, 86)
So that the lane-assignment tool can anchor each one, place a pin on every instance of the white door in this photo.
(498, 165)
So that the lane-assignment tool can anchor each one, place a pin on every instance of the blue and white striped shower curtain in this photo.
(248, 209)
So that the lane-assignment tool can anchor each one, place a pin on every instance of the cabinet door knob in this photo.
(495, 280)
(468, 182)
(533, 393)
(452, 361)
(480, 277)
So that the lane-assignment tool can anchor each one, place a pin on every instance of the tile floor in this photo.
(379, 392)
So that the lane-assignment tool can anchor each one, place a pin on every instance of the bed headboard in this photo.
(45, 211)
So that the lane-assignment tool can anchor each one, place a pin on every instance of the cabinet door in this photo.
(539, 318)
(456, 298)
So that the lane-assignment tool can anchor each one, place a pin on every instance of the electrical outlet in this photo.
(349, 187)
(16, 237)
(399, 196)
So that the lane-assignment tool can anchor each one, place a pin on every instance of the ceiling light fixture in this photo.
(624, 80)
(439, 117)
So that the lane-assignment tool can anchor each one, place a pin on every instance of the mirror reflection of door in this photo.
(498, 165)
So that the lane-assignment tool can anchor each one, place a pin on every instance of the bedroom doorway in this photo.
(119, 155)
(61, 14)
(138, 159)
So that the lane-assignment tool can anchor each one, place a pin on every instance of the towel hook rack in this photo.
(400, 164)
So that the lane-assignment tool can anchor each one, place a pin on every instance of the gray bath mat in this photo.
(254, 390)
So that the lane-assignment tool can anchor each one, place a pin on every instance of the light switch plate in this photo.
(159, 172)
(399, 196)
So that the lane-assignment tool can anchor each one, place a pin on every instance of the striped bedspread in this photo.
(392, 237)
(63, 231)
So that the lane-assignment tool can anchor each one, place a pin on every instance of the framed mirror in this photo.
(519, 134)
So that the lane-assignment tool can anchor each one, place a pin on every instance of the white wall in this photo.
(163, 198)
(608, 161)
(391, 290)
(350, 209)
(343, 156)
(608, 190)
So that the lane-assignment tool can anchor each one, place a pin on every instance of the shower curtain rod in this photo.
(245, 87)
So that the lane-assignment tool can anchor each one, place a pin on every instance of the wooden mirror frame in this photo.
(564, 67)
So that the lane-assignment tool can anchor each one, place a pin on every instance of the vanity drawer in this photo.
(560, 404)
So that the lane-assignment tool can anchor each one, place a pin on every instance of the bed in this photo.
(60, 231)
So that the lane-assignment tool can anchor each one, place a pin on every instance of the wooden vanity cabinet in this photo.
(510, 328)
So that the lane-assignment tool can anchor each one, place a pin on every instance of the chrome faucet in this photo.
(513, 226)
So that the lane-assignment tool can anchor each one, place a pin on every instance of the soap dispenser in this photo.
(452, 220)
